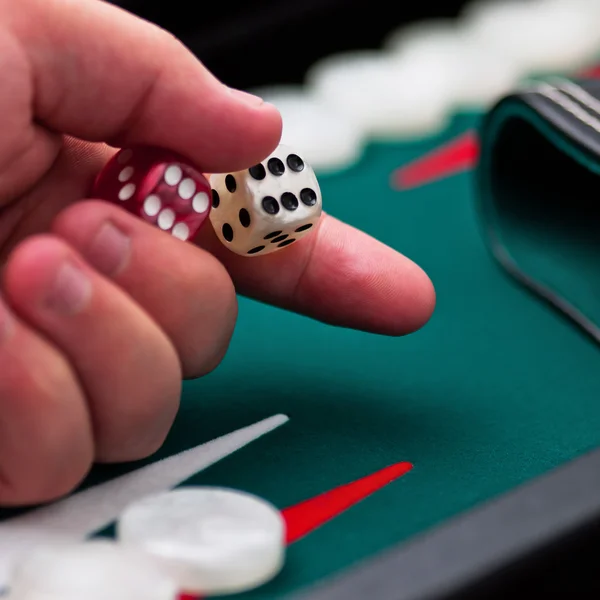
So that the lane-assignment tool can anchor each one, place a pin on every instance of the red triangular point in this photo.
(307, 516)
(460, 154)
(303, 518)
(592, 72)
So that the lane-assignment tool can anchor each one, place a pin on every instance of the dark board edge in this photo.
(457, 558)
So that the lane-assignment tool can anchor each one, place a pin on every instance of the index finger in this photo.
(338, 275)
(101, 74)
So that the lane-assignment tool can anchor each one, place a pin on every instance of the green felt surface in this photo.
(495, 390)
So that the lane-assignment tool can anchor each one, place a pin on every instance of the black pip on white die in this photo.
(267, 207)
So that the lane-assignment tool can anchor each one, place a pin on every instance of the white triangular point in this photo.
(84, 513)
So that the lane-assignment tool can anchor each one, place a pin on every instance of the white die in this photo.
(267, 207)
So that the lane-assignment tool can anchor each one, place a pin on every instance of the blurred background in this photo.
(262, 42)
(345, 73)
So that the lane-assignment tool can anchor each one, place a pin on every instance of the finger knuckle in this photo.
(49, 480)
(49, 449)
(213, 322)
(134, 425)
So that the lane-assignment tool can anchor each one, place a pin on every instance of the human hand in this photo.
(103, 315)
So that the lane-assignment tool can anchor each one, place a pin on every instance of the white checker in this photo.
(200, 202)
(477, 75)
(94, 570)
(166, 218)
(591, 8)
(586, 51)
(152, 205)
(538, 36)
(126, 192)
(181, 231)
(432, 32)
(125, 174)
(186, 188)
(385, 96)
(173, 175)
(212, 540)
(328, 141)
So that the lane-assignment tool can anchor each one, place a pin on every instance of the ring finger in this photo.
(186, 290)
(46, 443)
(126, 364)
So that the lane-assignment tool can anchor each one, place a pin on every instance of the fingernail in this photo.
(247, 98)
(109, 250)
(6, 322)
(71, 290)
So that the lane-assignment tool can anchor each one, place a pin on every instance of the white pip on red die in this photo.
(159, 186)
(267, 207)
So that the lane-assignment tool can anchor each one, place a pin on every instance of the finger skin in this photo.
(338, 275)
(99, 73)
(126, 365)
(27, 150)
(46, 441)
(70, 179)
(186, 290)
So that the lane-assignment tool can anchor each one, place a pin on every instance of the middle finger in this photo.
(126, 365)
(185, 289)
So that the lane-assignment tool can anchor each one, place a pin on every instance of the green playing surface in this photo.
(496, 390)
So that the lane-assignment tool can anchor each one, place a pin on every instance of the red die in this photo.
(158, 186)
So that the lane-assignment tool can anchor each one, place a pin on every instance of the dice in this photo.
(159, 187)
(267, 207)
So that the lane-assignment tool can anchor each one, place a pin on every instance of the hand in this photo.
(103, 315)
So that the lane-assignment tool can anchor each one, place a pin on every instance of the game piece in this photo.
(94, 570)
(539, 36)
(268, 206)
(382, 96)
(327, 141)
(158, 186)
(590, 8)
(479, 75)
(211, 540)
(436, 32)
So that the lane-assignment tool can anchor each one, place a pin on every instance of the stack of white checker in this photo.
(426, 72)
(200, 541)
